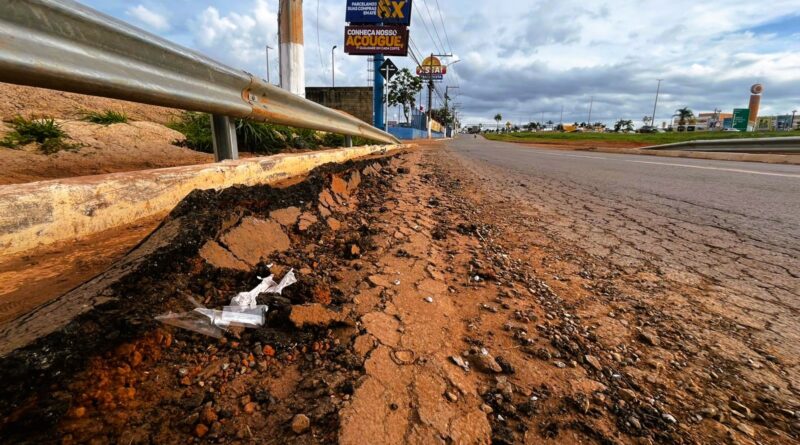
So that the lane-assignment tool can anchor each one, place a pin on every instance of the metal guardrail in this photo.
(63, 45)
(788, 144)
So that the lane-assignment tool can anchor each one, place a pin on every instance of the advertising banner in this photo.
(431, 69)
(741, 116)
(388, 12)
(371, 40)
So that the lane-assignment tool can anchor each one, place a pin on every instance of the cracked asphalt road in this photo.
(722, 237)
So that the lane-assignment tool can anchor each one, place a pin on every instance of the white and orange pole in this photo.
(292, 55)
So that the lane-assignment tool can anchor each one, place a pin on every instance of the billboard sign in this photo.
(784, 122)
(431, 69)
(369, 40)
(387, 12)
(741, 116)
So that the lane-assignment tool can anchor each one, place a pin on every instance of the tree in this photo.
(622, 124)
(403, 90)
(683, 115)
(444, 117)
(498, 117)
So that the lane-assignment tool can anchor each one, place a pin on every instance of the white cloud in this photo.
(238, 38)
(153, 20)
(525, 57)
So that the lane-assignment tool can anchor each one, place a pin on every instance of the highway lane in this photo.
(725, 234)
(762, 200)
(713, 245)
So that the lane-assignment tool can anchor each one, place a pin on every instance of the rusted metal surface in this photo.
(63, 45)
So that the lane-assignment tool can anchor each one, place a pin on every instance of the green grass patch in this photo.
(107, 117)
(254, 137)
(644, 139)
(45, 131)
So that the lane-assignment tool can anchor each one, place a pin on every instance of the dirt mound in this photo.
(103, 149)
(16, 100)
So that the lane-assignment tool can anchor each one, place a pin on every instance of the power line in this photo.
(433, 24)
(427, 30)
(444, 28)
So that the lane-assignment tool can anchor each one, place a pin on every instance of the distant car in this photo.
(731, 130)
(650, 129)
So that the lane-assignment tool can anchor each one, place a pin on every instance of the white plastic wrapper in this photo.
(267, 286)
(244, 310)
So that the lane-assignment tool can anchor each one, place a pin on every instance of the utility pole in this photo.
(658, 91)
(591, 104)
(290, 31)
(562, 116)
(268, 70)
(791, 125)
(333, 67)
(431, 86)
(446, 99)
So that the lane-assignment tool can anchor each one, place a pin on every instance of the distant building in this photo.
(704, 121)
(356, 101)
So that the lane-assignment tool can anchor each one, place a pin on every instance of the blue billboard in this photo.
(388, 12)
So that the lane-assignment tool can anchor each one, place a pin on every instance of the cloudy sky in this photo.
(529, 58)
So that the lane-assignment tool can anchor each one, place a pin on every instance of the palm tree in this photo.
(498, 117)
(683, 115)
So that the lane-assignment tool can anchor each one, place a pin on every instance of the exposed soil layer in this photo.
(435, 304)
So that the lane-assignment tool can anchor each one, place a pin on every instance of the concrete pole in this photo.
(292, 55)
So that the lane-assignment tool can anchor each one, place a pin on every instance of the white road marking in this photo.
(734, 170)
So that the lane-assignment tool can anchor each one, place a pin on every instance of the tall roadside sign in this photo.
(431, 70)
(741, 118)
(377, 28)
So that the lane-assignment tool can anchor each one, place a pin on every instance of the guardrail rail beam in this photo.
(63, 45)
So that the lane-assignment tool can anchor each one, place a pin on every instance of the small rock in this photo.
(250, 407)
(487, 363)
(486, 409)
(460, 362)
(403, 357)
(378, 281)
(300, 424)
(429, 299)
(560, 365)
(451, 396)
(709, 412)
(649, 338)
(635, 423)
(738, 407)
(200, 430)
(669, 418)
(746, 429)
(627, 395)
(594, 362)
(208, 415)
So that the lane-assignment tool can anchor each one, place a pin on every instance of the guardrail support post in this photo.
(348, 141)
(223, 130)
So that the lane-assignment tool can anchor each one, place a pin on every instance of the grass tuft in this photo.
(254, 137)
(107, 117)
(45, 131)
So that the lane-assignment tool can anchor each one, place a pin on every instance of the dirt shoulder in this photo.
(431, 307)
(633, 148)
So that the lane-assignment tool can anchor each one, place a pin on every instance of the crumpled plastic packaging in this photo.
(244, 310)
(267, 286)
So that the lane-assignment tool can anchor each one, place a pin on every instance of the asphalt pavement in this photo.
(762, 200)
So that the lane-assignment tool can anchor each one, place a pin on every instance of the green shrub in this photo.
(254, 137)
(196, 128)
(46, 132)
(107, 117)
